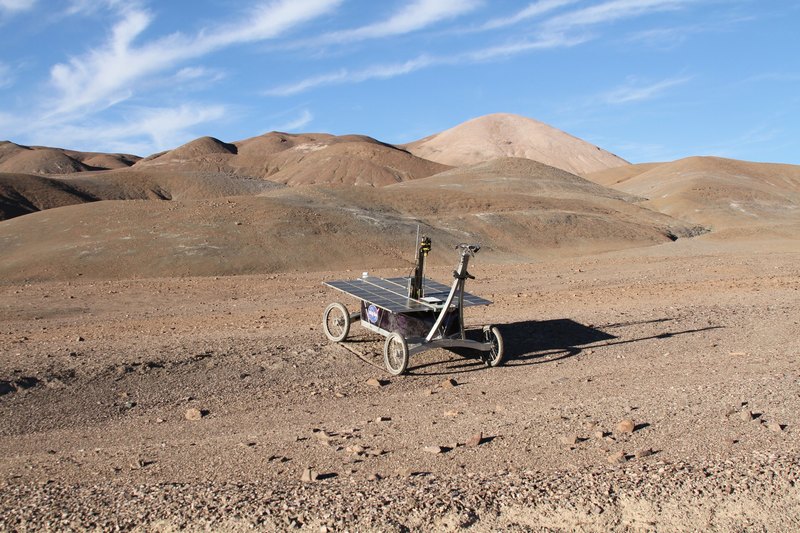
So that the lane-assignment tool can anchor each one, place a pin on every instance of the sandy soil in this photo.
(695, 341)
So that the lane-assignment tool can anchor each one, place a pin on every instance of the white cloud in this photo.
(533, 10)
(143, 131)
(412, 17)
(632, 92)
(305, 118)
(610, 11)
(345, 76)
(6, 78)
(14, 6)
(108, 74)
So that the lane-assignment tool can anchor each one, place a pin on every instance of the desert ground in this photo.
(163, 364)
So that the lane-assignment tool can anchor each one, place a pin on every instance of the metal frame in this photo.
(430, 321)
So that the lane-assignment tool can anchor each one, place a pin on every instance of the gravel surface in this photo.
(652, 389)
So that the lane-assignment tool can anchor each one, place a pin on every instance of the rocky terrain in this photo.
(163, 366)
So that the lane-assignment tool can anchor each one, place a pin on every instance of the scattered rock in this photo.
(617, 458)
(309, 475)
(374, 477)
(599, 434)
(746, 415)
(451, 412)
(383, 419)
(377, 383)
(449, 383)
(626, 426)
(474, 440)
(79, 338)
(569, 440)
(645, 452)
(356, 449)
(774, 426)
(195, 414)
(433, 449)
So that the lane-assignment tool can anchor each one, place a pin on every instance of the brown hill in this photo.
(298, 159)
(16, 158)
(41, 161)
(506, 135)
(720, 193)
(21, 194)
(519, 209)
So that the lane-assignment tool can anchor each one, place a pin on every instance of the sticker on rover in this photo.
(372, 314)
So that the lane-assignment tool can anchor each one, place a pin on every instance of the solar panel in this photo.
(392, 294)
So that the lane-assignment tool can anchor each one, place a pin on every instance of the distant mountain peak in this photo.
(508, 135)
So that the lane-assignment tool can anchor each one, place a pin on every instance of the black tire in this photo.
(336, 322)
(496, 355)
(395, 354)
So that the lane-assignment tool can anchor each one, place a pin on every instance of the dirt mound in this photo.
(109, 161)
(355, 162)
(304, 159)
(21, 194)
(518, 209)
(41, 161)
(15, 158)
(720, 193)
(506, 135)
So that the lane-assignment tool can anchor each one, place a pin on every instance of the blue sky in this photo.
(650, 80)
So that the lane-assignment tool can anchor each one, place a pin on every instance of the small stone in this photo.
(617, 458)
(79, 338)
(374, 477)
(159, 420)
(449, 383)
(451, 412)
(356, 449)
(626, 426)
(569, 440)
(340, 395)
(195, 414)
(645, 452)
(746, 415)
(309, 475)
(474, 440)
(599, 434)
(383, 419)
(377, 383)
(433, 449)
(774, 426)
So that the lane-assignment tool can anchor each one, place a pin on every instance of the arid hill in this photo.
(24, 193)
(41, 160)
(517, 208)
(506, 135)
(298, 159)
(720, 193)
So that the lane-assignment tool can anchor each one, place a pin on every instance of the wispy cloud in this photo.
(6, 78)
(635, 92)
(143, 130)
(392, 70)
(295, 124)
(16, 6)
(533, 10)
(411, 17)
(345, 76)
(610, 11)
(108, 74)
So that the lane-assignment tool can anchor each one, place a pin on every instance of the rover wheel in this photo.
(395, 354)
(494, 357)
(336, 322)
